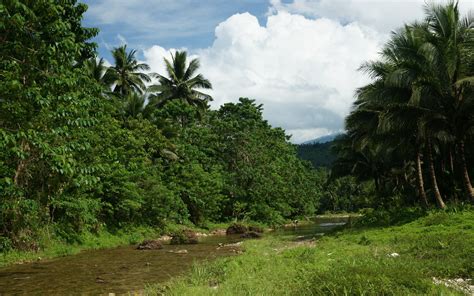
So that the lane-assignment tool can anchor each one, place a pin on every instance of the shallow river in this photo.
(124, 269)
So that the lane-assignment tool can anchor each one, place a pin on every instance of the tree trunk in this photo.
(419, 174)
(467, 179)
(434, 183)
(377, 185)
(451, 160)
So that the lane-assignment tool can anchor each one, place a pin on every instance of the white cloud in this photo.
(302, 64)
(304, 71)
(381, 15)
(122, 39)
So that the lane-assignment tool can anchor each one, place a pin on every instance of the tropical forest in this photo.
(120, 179)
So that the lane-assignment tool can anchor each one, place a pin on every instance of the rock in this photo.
(236, 228)
(178, 251)
(185, 237)
(251, 234)
(394, 255)
(460, 284)
(150, 245)
(99, 280)
(165, 238)
(237, 244)
(256, 229)
(218, 232)
(213, 284)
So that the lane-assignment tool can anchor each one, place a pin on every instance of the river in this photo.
(125, 269)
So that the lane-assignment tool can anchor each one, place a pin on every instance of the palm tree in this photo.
(96, 70)
(382, 117)
(453, 39)
(181, 83)
(422, 95)
(134, 105)
(127, 73)
(393, 105)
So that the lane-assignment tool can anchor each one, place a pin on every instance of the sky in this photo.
(299, 58)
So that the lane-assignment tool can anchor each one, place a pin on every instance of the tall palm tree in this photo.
(422, 95)
(181, 83)
(394, 101)
(397, 127)
(452, 38)
(416, 68)
(127, 73)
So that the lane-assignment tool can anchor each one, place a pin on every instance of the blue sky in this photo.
(299, 58)
(171, 24)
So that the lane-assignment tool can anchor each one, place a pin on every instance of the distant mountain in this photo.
(323, 139)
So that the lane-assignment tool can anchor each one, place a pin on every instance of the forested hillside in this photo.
(85, 148)
(319, 154)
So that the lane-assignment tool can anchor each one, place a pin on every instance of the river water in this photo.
(125, 269)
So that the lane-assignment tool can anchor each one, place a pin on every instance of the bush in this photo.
(390, 216)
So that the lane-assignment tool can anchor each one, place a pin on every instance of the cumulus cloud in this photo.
(302, 64)
(381, 15)
(304, 71)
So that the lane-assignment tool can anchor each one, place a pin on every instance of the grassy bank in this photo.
(398, 260)
(51, 246)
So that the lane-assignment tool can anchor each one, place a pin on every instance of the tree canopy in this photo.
(86, 147)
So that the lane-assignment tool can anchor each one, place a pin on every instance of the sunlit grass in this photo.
(351, 262)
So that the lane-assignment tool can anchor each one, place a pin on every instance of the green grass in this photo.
(350, 262)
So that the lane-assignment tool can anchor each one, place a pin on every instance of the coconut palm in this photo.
(96, 69)
(181, 83)
(134, 105)
(422, 95)
(417, 114)
(453, 39)
(127, 73)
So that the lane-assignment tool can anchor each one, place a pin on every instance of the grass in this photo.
(350, 262)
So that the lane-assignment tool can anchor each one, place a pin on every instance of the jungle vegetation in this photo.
(410, 132)
(85, 147)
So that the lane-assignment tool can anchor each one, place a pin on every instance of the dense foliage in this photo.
(81, 150)
(319, 154)
(411, 129)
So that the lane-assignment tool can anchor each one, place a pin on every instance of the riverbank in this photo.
(51, 246)
(433, 255)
